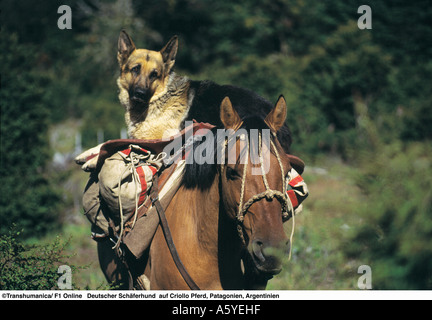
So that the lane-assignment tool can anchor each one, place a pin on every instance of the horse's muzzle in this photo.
(266, 259)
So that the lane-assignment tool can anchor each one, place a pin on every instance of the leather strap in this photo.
(167, 233)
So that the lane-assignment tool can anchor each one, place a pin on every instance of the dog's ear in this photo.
(125, 47)
(276, 118)
(228, 115)
(169, 53)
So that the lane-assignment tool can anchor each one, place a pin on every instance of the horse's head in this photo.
(253, 185)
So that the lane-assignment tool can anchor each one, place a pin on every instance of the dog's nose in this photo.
(140, 94)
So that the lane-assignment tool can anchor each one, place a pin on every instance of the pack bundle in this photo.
(120, 189)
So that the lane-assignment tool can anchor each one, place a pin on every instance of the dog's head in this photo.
(143, 73)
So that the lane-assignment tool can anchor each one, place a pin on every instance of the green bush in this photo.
(30, 267)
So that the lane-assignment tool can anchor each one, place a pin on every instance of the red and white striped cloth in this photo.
(297, 190)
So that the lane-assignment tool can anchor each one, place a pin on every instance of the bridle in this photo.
(269, 194)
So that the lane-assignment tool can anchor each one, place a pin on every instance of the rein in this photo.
(154, 195)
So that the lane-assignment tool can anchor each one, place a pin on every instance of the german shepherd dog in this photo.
(157, 101)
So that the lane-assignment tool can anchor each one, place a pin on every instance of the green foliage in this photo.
(30, 267)
(346, 63)
(105, 113)
(411, 113)
(394, 236)
(27, 196)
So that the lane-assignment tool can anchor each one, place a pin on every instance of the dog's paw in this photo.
(88, 159)
(91, 164)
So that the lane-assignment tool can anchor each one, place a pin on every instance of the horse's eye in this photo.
(231, 173)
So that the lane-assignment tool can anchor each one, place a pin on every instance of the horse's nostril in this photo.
(265, 257)
(257, 249)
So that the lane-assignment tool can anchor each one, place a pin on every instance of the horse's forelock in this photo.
(202, 175)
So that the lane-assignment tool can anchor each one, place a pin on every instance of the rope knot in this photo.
(269, 194)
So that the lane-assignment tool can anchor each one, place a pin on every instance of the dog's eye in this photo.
(136, 69)
(153, 75)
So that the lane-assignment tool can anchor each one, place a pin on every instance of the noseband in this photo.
(269, 194)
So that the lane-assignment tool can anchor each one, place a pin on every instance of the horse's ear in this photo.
(125, 47)
(276, 118)
(228, 116)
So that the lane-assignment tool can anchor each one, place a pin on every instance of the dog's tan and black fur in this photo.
(157, 101)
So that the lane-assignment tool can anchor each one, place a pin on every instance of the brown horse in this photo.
(224, 240)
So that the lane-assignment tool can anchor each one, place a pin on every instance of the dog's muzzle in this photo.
(140, 95)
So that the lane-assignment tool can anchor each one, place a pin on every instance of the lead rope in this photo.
(131, 166)
(288, 203)
(240, 215)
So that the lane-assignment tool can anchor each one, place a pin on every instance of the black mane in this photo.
(207, 98)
